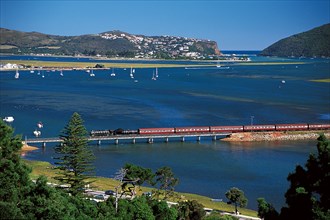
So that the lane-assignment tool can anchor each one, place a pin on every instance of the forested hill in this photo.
(111, 44)
(313, 43)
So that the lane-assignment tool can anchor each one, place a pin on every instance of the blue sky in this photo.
(234, 25)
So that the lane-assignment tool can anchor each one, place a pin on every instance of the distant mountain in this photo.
(112, 44)
(313, 43)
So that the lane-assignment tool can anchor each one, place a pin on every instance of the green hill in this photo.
(111, 44)
(313, 43)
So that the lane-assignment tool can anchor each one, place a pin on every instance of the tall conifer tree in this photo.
(75, 158)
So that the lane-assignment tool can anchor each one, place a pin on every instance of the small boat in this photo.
(88, 71)
(131, 74)
(283, 81)
(92, 73)
(113, 72)
(40, 125)
(37, 133)
(156, 75)
(9, 119)
(31, 71)
(153, 76)
(17, 74)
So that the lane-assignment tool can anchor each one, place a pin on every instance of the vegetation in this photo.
(308, 196)
(313, 43)
(21, 198)
(167, 182)
(110, 44)
(236, 197)
(75, 159)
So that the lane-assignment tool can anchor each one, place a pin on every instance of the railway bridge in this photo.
(133, 138)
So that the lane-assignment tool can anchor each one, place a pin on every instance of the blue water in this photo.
(181, 97)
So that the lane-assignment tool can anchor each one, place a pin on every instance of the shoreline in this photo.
(26, 147)
(275, 136)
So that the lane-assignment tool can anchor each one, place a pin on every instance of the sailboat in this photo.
(61, 73)
(153, 76)
(156, 72)
(131, 73)
(17, 74)
(113, 72)
(92, 73)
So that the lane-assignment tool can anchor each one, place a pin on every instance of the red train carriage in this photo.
(226, 129)
(156, 130)
(259, 128)
(318, 126)
(291, 127)
(192, 129)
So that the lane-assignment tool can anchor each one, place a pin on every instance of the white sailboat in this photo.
(92, 73)
(153, 76)
(17, 74)
(113, 72)
(61, 73)
(156, 72)
(131, 73)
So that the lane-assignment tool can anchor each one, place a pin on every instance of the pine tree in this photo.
(75, 158)
(308, 196)
(14, 174)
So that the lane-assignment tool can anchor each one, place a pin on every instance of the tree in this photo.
(135, 175)
(165, 177)
(266, 210)
(75, 158)
(14, 174)
(237, 197)
(190, 210)
(308, 196)
(162, 211)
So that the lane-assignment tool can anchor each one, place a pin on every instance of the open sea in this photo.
(281, 93)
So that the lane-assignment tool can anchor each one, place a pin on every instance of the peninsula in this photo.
(110, 44)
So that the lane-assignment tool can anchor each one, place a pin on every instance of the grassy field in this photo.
(102, 183)
(321, 80)
(70, 65)
(54, 64)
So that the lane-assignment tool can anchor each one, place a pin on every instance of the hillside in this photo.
(111, 44)
(313, 43)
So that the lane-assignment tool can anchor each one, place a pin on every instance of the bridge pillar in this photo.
(116, 141)
(214, 137)
(99, 142)
(133, 140)
(182, 140)
(166, 139)
(150, 140)
(199, 138)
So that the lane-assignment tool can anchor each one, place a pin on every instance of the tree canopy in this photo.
(236, 197)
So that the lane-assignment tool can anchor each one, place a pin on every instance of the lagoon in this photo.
(181, 97)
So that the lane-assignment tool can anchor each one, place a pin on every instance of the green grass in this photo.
(55, 64)
(66, 65)
(103, 183)
(321, 80)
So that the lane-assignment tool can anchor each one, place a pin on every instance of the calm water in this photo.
(181, 97)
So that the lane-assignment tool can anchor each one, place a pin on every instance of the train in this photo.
(211, 129)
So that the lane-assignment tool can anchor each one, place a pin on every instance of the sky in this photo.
(234, 25)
